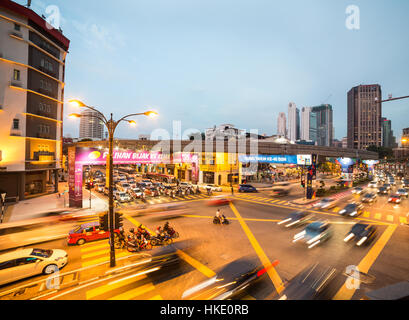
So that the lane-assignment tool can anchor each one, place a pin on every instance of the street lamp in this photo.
(111, 125)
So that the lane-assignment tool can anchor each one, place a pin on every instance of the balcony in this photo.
(15, 34)
(16, 132)
(47, 93)
(44, 156)
(16, 83)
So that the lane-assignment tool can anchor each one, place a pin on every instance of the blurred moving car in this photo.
(24, 263)
(387, 186)
(313, 283)
(397, 291)
(326, 203)
(372, 184)
(369, 198)
(296, 219)
(352, 209)
(231, 282)
(395, 198)
(314, 234)
(219, 201)
(402, 192)
(87, 232)
(358, 190)
(361, 233)
(247, 188)
(280, 191)
(212, 187)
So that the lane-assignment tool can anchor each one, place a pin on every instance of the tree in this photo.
(382, 151)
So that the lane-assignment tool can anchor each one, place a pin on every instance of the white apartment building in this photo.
(282, 125)
(90, 126)
(293, 122)
(305, 123)
(32, 68)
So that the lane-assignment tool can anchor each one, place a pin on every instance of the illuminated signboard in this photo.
(280, 159)
(304, 159)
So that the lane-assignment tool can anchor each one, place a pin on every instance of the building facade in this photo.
(321, 125)
(32, 68)
(293, 122)
(364, 116)
(224, 132)
(388, 139)
(90, 126)
(305, 123)
(282, 125)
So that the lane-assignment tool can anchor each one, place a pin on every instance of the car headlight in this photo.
(354, 213)
(342, 211)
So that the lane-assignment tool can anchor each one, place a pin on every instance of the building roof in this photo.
(31, 15)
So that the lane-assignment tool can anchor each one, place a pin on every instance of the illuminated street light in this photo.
(111, 126)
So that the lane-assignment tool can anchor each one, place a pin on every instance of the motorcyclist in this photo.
(160, 232)
(167, 228)
(219, 216)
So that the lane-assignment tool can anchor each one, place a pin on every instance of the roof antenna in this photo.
(28, 4)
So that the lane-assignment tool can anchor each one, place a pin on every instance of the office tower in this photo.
(90, 126)
(293, 122)
(282, 125)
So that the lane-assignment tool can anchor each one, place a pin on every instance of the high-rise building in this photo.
(305, 123)
(282, 124)
(388, 139)
(293, 122)
(90, 126)
(321, 125)
(364, 116)
(32, 69)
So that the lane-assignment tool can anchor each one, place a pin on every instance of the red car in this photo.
(87, 232)
(219, 201)
(395, 199)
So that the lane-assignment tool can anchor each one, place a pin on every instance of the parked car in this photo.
(87, 232)
(247, 188)
(24, 263)
(185, 185)
(122, 197)
(212, 187)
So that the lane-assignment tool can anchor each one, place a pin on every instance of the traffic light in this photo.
(118, 220)
(87, 186)
(103, 222)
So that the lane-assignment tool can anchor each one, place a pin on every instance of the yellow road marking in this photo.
(378, 216)
(93, 246)
(137, 224)
(366, 214)
(96, 253)
(229, 218)
(134, 293)
(104, 259)
(390, 218)
(336, 209)
(275, 278)
(403, 220)
(109, 287)
(196, 264)
(346, 294)
(273, 201)
(157, 297)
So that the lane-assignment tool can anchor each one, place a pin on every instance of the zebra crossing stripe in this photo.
(378, 216)
(390, 218)
(403, 220)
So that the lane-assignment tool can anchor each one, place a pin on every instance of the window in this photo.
(45, 85)
(7, 264)
(24, 261)
(17, 27)
(16, 75)
(16, 124)
(47, 64)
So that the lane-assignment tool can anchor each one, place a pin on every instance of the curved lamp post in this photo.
(111, 125)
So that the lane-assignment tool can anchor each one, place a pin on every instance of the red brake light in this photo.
(264, 270)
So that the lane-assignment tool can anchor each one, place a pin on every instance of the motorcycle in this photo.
(138, 245)
(172, 233)
(216, 220)
(162, 240)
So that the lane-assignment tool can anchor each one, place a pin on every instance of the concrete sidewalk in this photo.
(35, 207)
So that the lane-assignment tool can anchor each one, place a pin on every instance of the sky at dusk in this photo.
(208, 62)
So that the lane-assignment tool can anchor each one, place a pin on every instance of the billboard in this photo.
(279, 159)
(304, 159)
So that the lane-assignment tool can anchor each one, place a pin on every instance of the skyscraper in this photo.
(364, 116)
(293, 122)
(91, 127)
(305, 123)
(321, 125)
(388, 139)
(282, 124)
(32, 69)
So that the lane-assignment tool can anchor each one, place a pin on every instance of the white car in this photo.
(26, 263)
(213, 187)
(372, 184)
(185, 185)
(326, 203)
(122, 197)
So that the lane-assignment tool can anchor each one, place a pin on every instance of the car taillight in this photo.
(264, 270)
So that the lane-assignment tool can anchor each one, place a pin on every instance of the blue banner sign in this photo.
(283, 159)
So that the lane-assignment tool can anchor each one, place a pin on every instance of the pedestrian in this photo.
(232, 191)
